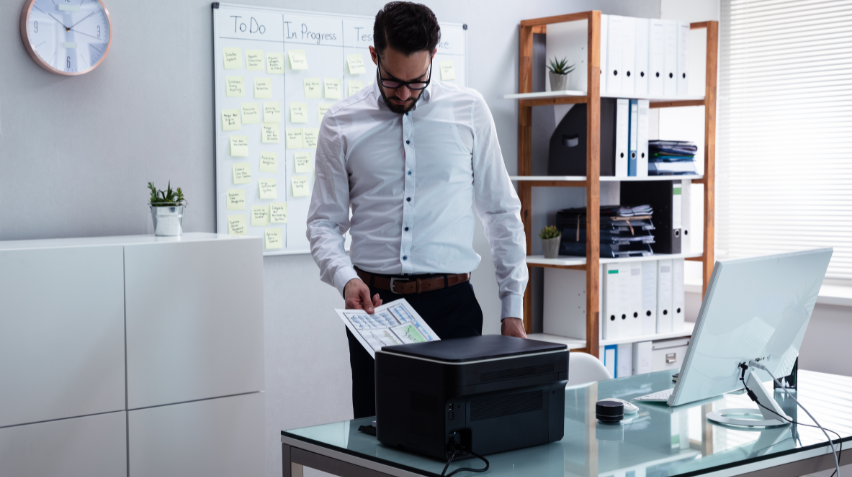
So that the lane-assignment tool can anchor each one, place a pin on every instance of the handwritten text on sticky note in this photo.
(303, 162)
(311, 137)
(300, 186)
(239, 146)
(236, 199)
(263, 88)
(298, 112)
(269, 135)
(259, 216)
(278, 212)
(295, 138)
(268, 189)
(274, 238)
(237, 224)
(275, 63)
(355, 63)
(235, 86)
(332, 88)
(313, 88)
(355, 86)
(242, 173)
(268, 161)
(272, 112)
(251, 113)
(233, 58)
(448, 71)
(323, 108)
(254, 60)
(298, 60)
(230, 119)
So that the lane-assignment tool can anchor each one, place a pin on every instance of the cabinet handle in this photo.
(671, 358)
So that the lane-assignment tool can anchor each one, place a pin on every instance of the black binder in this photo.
(661, 195)
(567, 155)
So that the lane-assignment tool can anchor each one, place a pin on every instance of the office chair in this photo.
(584, 368)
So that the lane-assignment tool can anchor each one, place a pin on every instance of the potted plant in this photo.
(550, 238)
(559, 70)
(167, 210)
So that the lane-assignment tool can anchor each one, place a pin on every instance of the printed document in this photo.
(392, 324)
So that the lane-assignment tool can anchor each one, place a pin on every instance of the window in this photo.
(784, 143)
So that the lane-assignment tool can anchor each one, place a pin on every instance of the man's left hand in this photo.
(513, 327)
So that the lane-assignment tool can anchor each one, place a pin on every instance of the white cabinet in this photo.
(91, 446)
(211, 438)
(61, 332)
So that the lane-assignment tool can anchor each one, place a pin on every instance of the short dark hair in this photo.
(406, 27)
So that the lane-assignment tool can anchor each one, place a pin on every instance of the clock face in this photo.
(68, 37)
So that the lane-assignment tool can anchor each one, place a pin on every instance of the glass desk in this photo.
(658, 441)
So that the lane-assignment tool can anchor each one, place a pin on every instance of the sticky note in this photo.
(269, 135)
(251, 113)
(268, 189)
(236, 199)
(268, 161)
(230, 119)
(274, 238)
(313, 88)
(295, 138)
(239, 146)
(298, 60)
(272, 112)
(303, 162)
(262, 87)
(448, 71)
(300, 186)
(354, 87)
(233, 58)
(259, 216)
(356, 64)
(332, 88)
(254, 60)
(298, 112)
(323, 108)
(278, 213)
(275, 63)
(311, 137)
(236, 224)
(235, 86)
(242, 173)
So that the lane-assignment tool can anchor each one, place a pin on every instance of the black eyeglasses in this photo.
(394, 84)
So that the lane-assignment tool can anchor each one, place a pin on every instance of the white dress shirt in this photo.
(411, 181)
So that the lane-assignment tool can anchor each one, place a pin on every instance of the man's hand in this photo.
(512, 327)
(357, 295)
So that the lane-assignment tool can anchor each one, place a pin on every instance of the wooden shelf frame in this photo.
(592, 99)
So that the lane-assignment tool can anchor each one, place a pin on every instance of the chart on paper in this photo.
(392, 324)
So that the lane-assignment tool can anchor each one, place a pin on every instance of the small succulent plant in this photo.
(560, 67)
(549, 232)
(166, 198)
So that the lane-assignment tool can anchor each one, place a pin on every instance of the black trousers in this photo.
(450, 312)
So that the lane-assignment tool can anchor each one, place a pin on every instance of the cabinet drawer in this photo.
(668, 354)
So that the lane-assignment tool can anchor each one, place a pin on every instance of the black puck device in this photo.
(484, 394)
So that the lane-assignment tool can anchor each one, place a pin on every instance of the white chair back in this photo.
(584, 368)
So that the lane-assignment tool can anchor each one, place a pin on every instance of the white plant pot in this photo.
(558, 82)
(551, 247)
(168, 221)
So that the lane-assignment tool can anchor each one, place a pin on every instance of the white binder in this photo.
(634, 310)
(642, 357)
(624, 360)
(604, 38)
(682, 58)
(664, 296)
(656, 57)
(678, 310)
(640, 59)
(686, 225)
(670, 61)
(628, 55)
(642, 151)
(622, 130)
(649, 297)
(612, 302)
(614, 55)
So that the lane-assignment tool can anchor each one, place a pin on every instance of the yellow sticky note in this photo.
(236, 199)
(268, 161)
(356, 64)
(270, 133)
(237, 224)
(268, 189)
(311, 137)
(272, 112)
(313, 88)
(235, 86)
(323, 108)
(303, 162)
(275, 63)
(274, 238)
(242, 173)
(295, 138)
(233, 58)
(300, 186)
(332, 88)
(230, 119)
(354, 87)
(239, 146)
(448, 71)
(278, 212)
(298, 112)
(251, 113)
(254, 60)
(259, 216)
(298, 60)
(262, 87)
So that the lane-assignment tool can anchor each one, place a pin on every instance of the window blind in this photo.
(784, 143)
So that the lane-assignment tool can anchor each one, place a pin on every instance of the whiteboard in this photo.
(326, 40)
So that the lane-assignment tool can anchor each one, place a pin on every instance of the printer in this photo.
(484, 394)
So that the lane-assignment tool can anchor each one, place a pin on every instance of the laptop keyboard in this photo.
(658, 396)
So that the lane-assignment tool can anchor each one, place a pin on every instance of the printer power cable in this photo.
(460, 451)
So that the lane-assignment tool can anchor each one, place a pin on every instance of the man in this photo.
(410, 156)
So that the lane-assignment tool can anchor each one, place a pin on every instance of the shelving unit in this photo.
(580, 345)
(527, 99)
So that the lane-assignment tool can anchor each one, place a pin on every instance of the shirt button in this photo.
(405, 257)
(408, 199)
(409, 172)
(406, 229)
(408, 142)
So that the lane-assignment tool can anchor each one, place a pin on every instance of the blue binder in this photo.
(633, 138)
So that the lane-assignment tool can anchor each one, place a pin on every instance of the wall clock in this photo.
(66, 37)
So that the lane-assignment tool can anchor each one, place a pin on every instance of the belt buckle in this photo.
(391, 283)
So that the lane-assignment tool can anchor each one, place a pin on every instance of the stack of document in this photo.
(625, 231)
(671, 157)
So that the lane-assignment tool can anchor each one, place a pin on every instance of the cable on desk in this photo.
(463, 469)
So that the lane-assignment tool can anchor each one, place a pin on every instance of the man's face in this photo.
(400, 67)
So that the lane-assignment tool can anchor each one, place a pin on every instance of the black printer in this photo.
(484, 394)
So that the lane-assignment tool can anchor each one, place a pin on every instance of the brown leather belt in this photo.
(409, 285)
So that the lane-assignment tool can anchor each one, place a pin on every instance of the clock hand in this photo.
(87, 16)
(58, 21)
(90, 36)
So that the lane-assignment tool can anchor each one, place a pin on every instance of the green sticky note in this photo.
(303, 162)
(278, 212)
(268, 162)
(272, 112)
(230, 119)
(274, 238)
(235, 86)
(268, 189)
(233, 58)
(355, 63)
(259, 216)
(313, 88)
(323, 108)
(262, 88)
(269, 135)
(332, 88)
(311, 137)
(298, 112)
(448, 71)
(254, 60)
(242, 173)
(295, 138)
(300, 186)
(251, 113)
(355, 86)
(236, 199)
(239, 146)
(298, 60)
(275, 63)
(236, 224)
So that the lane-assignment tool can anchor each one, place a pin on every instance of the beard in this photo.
(400, 108)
